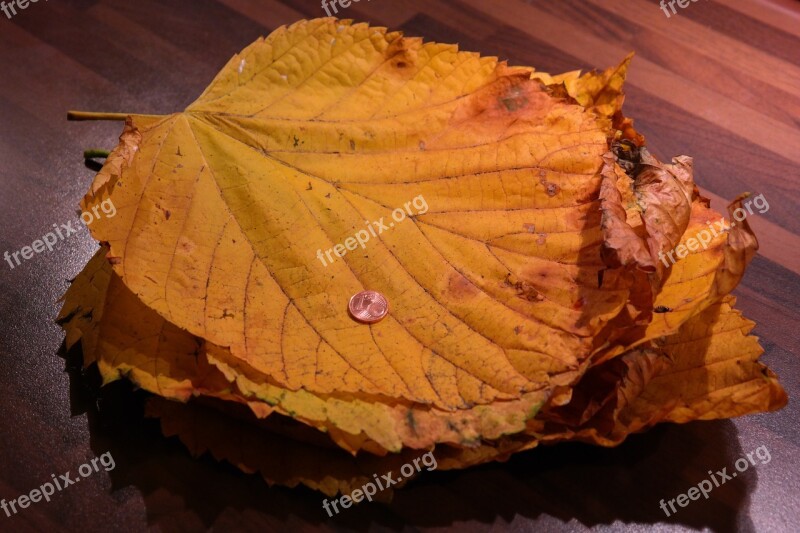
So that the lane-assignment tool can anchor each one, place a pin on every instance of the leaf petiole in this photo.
(92, 115)
(95, 153)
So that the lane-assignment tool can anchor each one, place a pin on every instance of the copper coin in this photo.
(368, 306)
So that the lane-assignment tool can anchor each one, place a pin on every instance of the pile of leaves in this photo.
(529, 304)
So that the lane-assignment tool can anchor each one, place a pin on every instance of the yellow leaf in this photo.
(132, 341)
(530, 298)
(324, 125)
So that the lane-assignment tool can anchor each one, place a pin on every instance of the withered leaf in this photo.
(530, 298)
(235, 262)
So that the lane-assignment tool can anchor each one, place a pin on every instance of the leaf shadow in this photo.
(551, 485)
(180, 493)
(600, 486)
(93, 165)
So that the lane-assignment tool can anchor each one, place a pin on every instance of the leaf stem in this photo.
(95, 153)
(91, 115)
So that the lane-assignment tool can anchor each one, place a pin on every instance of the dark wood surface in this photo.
(719, 81)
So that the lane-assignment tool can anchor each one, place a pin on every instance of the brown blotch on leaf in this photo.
(524, 290)
(403, 52)
(551, 188)
(460, 287)
(185, 245)
(513, 99)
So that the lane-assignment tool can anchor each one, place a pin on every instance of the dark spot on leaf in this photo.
(628, 156)
(524, 290)
(513, 99)
(460, 287)
(550, 188)
(512, 105)
(411, 422)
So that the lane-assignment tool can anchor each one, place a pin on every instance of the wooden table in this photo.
(719, 80)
